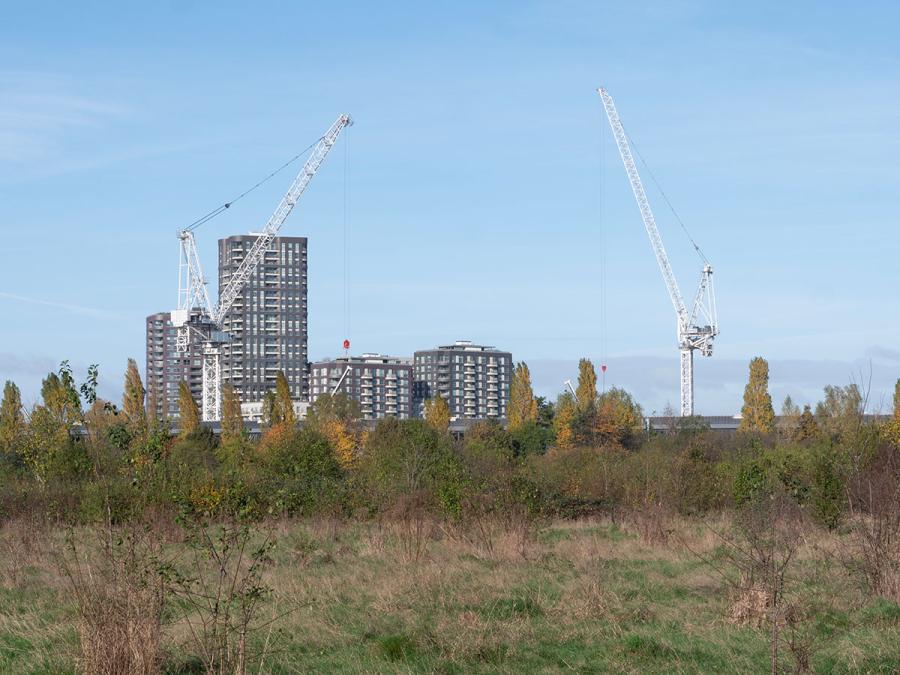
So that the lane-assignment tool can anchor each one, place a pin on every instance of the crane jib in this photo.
(690, 336)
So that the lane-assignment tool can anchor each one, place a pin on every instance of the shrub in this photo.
(827, 490)
(696, 487)
(750, 482)
(408, 457)
(304, 473)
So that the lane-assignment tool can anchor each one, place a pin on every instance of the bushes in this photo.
(303, 473)
(409, 457)
(114, 476)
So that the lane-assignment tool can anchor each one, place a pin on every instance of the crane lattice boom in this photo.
(248, 266)
(644, 205)
(192, 291)
(691, 336)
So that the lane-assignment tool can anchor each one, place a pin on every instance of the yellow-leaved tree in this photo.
(283, 400)
(618, 419)
(188, 412)
(12, 419)
(562, 421)
(335, 417)
(437, 413)
(587, 385)
(522, 406)
(893, 426)
(757, 415)
(133, 402)
(232, 422)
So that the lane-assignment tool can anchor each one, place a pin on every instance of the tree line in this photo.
(78, 456)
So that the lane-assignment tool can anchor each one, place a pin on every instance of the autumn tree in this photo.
(839, 414)
(586, 392)
(806, 426)
(757, 415)
(897, 400)
(437, 413)
(523, 407)
(618, 418)
(188, 412)
(49, 447)
(562, 422)
(12, 418)
(133, 401)
(335, 417)
(790, 418)
(60, 396)
(271, 411)
(893, 426)
(232, 422)
(283, 400)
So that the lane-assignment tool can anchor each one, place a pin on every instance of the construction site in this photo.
(258, 326)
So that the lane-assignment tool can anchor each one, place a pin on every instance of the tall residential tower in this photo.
(267, 322)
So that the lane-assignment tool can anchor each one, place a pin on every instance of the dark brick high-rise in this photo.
(268, 320)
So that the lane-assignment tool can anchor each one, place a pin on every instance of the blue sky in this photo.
(486, 201)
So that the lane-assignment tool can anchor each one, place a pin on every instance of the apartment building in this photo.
(382, 385)
(268, 321)
(473, 379)
(166, 366)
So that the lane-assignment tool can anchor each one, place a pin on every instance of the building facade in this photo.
(382, 385)
(268, 320)
(473, 379)
(166, 367)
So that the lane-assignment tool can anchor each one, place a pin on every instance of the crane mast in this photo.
(691, 336)
(192, 291)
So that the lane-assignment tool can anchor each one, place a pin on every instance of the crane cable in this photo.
(346, 236)
(601, 205)
(665, 198)
(227, 205)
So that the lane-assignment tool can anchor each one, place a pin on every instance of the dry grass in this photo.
(119, 596)
(583, 595)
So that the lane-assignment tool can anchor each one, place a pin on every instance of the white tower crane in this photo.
(192, 284)
(693, 333)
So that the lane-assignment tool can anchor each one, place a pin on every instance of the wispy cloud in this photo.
(75, 309)
(40, 112)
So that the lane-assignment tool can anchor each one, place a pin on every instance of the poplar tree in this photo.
(893, 426)
(271, 411)
(232, 422)
(133, 400)
(523, 407)
(807, 427)
(437, 413)
(897, 400)
(60, 396)
(133, 397)
(188, 412)
(586, 391)
(12, 417)
(283, 400)
(790, 417)
(562, 422)
(757, 415)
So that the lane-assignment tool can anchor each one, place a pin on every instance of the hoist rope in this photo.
(665, 198)
(227, 205)
(346, 237)
(603, 260)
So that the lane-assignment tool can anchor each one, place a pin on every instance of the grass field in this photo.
(569, 596)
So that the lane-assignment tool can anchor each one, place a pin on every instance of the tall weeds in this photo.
(112, 575)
